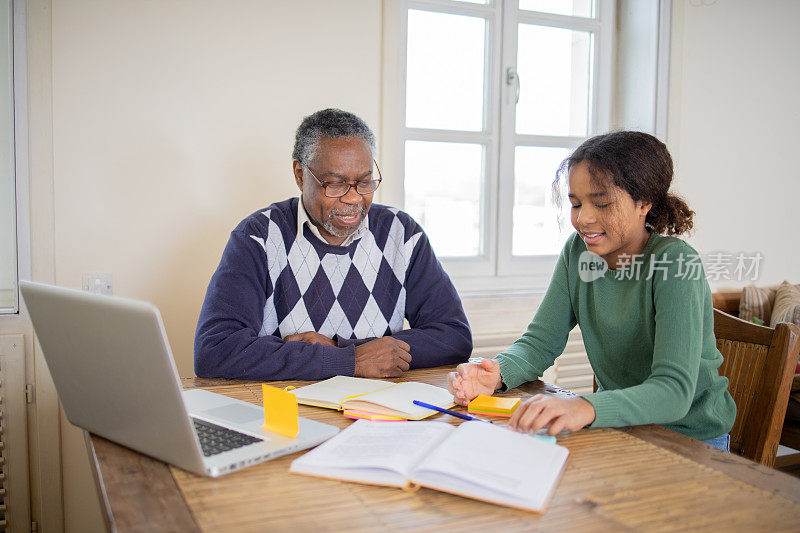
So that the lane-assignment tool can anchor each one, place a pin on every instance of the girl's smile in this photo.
(591, 238)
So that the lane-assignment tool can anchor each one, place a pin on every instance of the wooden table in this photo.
(631, 479)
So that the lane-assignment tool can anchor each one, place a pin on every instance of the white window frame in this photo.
(19, 152)
(483, 264)
(496, 268)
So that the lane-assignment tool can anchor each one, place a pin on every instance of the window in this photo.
(8, 226)
(496, 93)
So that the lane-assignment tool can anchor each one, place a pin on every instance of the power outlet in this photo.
(98, 283)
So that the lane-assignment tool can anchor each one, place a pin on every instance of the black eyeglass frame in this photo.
(326, 184)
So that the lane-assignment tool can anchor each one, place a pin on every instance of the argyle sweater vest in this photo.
(272, 282)
(351, 292)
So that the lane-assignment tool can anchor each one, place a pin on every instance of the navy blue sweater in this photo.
(272, 283)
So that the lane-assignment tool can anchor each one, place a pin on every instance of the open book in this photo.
(374, 396)
(476, 459)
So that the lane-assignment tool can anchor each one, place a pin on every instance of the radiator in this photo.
(14, 486)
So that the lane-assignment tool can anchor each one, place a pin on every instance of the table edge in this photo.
(740, 468)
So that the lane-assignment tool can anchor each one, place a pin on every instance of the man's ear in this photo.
(297, 167)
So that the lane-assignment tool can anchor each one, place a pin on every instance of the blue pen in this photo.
(449, 412)
(546, 438)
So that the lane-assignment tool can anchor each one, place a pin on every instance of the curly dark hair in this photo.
(639, 164)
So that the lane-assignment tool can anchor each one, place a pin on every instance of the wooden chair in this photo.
(759, 363)
(728, 301)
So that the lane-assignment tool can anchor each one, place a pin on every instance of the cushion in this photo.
(757, 303)
(787, 305)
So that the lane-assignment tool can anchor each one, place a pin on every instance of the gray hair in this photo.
(328, 123)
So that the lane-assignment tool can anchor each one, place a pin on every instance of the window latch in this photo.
(512, 77)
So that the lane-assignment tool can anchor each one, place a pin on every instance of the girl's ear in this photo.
(644, 208)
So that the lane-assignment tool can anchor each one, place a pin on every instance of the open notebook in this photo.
(374, 396)
(476, 460)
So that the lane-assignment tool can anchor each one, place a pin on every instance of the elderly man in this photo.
(319, 286)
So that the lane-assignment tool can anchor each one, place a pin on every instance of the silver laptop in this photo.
(114, 373)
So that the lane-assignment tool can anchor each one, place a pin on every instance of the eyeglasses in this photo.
(337, 189)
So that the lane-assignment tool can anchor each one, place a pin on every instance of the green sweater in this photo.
(650, 341)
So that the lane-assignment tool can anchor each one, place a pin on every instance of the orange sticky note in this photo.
(280, 411)
(491, 405)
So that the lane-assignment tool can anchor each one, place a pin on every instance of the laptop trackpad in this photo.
(238, 414)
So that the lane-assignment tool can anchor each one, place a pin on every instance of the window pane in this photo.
(444, 79)
(8, 233)
(536, 220)
(554, 66)
(443, 185)
(576, 8)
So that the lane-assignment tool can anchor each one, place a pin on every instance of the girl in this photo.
(641, 300)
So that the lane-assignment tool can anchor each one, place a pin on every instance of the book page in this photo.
(366, 447)
(331, 392)
(519, 470)
(398, 400)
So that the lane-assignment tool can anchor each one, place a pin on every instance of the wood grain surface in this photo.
(643, 478)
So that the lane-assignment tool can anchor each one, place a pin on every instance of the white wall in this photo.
(172, 121)
(733, 127)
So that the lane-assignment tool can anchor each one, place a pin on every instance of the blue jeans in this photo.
(723, 442)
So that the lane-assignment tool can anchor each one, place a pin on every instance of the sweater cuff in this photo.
(338, 361)
(606, 414)
(509, 377)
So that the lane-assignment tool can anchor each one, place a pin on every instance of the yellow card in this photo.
(280, 411)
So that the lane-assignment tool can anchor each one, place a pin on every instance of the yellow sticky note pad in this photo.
(492, 405)
(280, 411)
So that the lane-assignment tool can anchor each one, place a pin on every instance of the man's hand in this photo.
(471, 379)
(386, 357)
(311, 337)
(553, 413)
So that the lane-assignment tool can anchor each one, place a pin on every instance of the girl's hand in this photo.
(471, 379)
(556, 413)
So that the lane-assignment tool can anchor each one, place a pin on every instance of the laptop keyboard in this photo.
(216, 439)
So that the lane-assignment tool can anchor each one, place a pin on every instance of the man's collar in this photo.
(303, 218)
